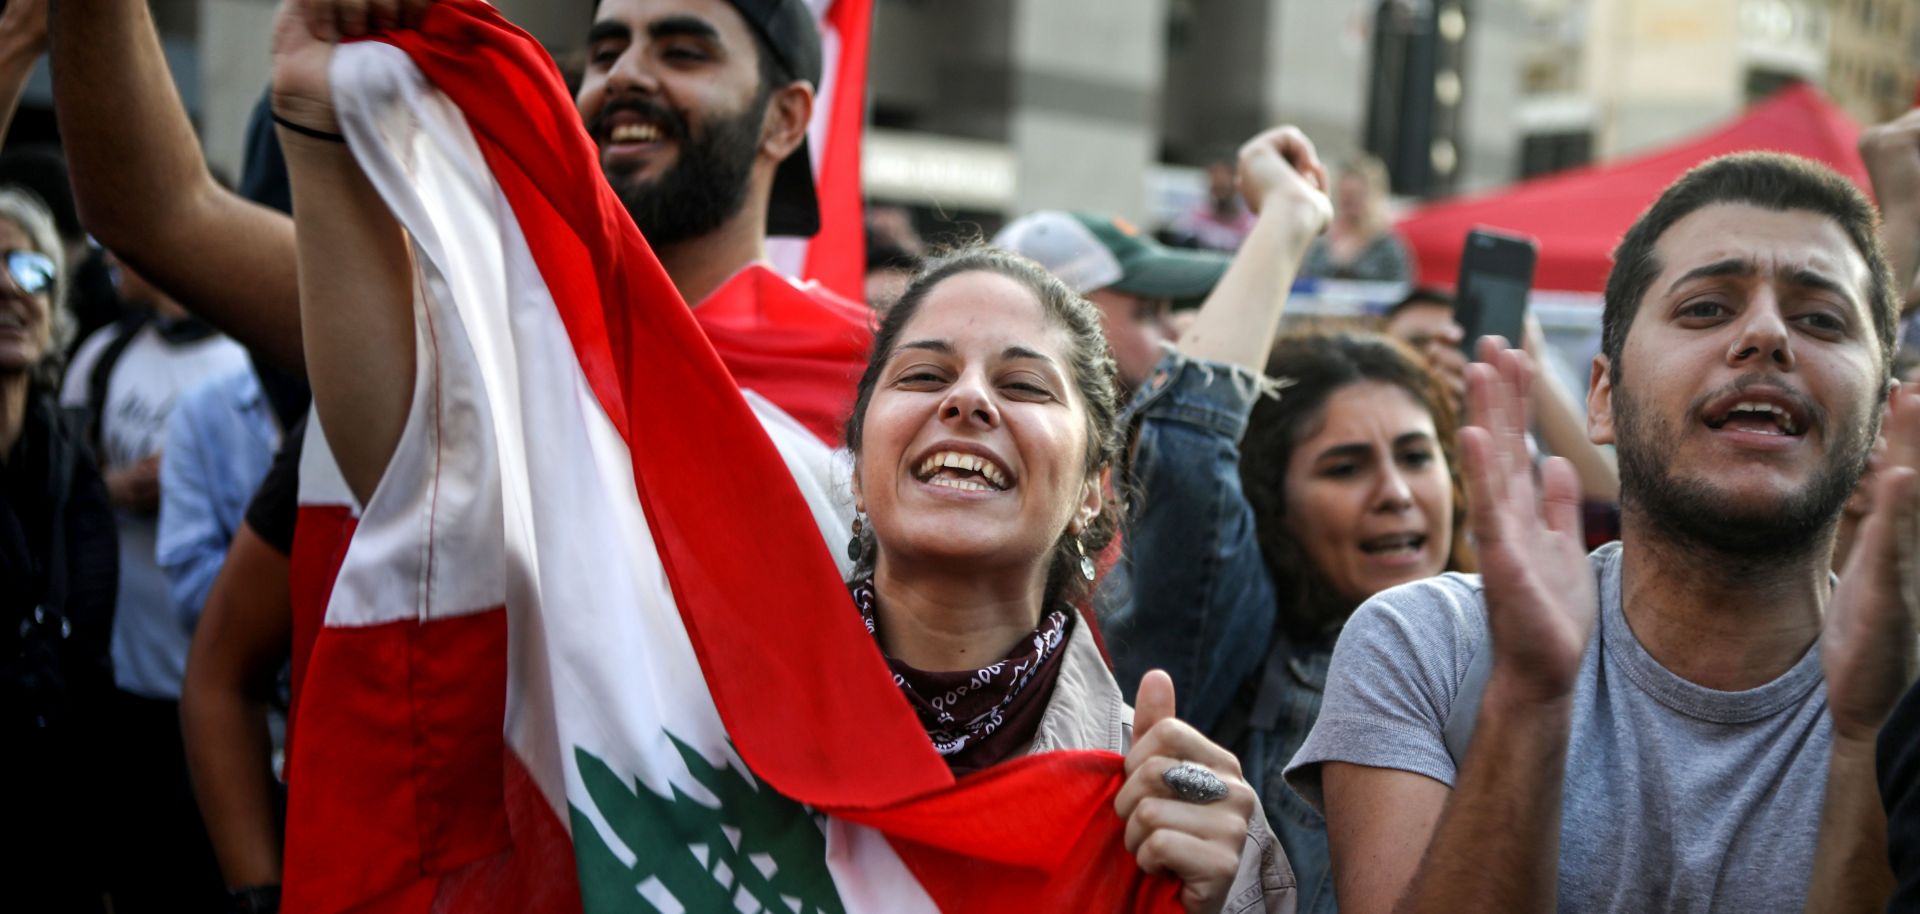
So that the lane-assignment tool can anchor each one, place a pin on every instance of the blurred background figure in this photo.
(127, 378)
(91, 297)
(1221, 221)
(894, 253)
(58, 568)
(1424, 320)
(1361, 243)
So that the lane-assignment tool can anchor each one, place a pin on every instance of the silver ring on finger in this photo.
(1194, 784)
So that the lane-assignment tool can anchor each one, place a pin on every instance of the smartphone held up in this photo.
(1496, 273)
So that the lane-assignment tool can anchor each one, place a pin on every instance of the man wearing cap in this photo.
(1133, 279)
(699, 108)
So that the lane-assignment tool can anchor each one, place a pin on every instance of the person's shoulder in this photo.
(811, 291)
(833, 301)
(759, 300)
(216, 348)
(1448, 605)
(73, 391)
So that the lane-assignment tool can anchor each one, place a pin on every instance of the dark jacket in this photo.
(1193, 596)
(59, 566)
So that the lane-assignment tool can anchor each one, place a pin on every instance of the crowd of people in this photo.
(1381, 618)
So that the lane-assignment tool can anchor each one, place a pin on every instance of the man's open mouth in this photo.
(630, 122)
(1757, 416)
(634, 133)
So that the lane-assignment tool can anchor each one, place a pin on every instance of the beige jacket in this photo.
(1087, 712)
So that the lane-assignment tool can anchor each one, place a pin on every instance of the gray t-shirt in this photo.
(1677, 798)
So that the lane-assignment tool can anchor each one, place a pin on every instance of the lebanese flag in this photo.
(585, 649)
(836, 257)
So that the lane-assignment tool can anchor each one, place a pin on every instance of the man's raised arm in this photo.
(1891, 152)
(143, 188)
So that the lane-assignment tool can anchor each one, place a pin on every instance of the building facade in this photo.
(982, 109)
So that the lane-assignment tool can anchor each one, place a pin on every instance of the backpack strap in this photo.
(1466, 702)
(102, 373)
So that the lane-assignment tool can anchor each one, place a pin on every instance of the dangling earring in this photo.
(1086, 561)
(857, 546)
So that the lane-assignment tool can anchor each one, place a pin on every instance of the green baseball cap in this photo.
(1090, 252)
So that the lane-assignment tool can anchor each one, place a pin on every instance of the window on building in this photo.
(1763, 82)
(1546, 153)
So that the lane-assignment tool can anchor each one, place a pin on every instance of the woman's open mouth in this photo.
(1395, 545)
(966, 472)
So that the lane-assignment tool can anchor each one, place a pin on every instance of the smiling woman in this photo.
(59, 568)
(983, 434)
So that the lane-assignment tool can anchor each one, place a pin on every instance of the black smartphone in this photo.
(1496, 272)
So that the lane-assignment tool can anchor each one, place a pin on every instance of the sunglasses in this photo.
(31, 271)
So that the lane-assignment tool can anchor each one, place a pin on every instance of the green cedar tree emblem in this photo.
(758, 851)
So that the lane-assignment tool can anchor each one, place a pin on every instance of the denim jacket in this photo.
(1192, 595)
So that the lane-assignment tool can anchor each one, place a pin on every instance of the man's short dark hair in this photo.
(1419, 296)
(1766, 180)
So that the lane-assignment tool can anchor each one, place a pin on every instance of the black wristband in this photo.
(254, 899)
(305, 130)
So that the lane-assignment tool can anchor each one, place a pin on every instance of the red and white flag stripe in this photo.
(587, 648)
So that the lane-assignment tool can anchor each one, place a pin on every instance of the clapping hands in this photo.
(1868, 643)
(1541, 603)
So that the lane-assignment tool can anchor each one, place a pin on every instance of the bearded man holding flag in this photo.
(711, 155)
(571, 510)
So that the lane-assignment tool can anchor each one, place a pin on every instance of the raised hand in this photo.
(136, 486)
(1198, 838)
(23, 28)
(304, 33)
(1891, 152)
(1868, 643)
(1533, 559)
(1279, 167)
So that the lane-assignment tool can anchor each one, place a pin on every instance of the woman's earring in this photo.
(857, 546)
(1086, 561)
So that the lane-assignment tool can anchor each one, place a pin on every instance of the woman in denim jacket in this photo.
(1240, 568)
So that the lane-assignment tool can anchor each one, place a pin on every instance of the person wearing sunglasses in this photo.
(58, 567)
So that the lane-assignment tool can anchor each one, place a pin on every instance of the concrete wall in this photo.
(947, 64)
(1085, 121)
(1489, 136)
(1318, 59)
(236, 61)
(234, 56)
(1214, 97)
(1661, 71)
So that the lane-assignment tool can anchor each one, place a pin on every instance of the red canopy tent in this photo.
(1578, 216)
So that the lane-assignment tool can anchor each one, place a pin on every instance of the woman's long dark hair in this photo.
(1091, 365)
(1313, 366)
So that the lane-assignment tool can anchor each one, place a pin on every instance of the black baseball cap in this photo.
(1089, 251)
(788, 28)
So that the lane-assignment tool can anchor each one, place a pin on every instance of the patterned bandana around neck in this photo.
(970, 715)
